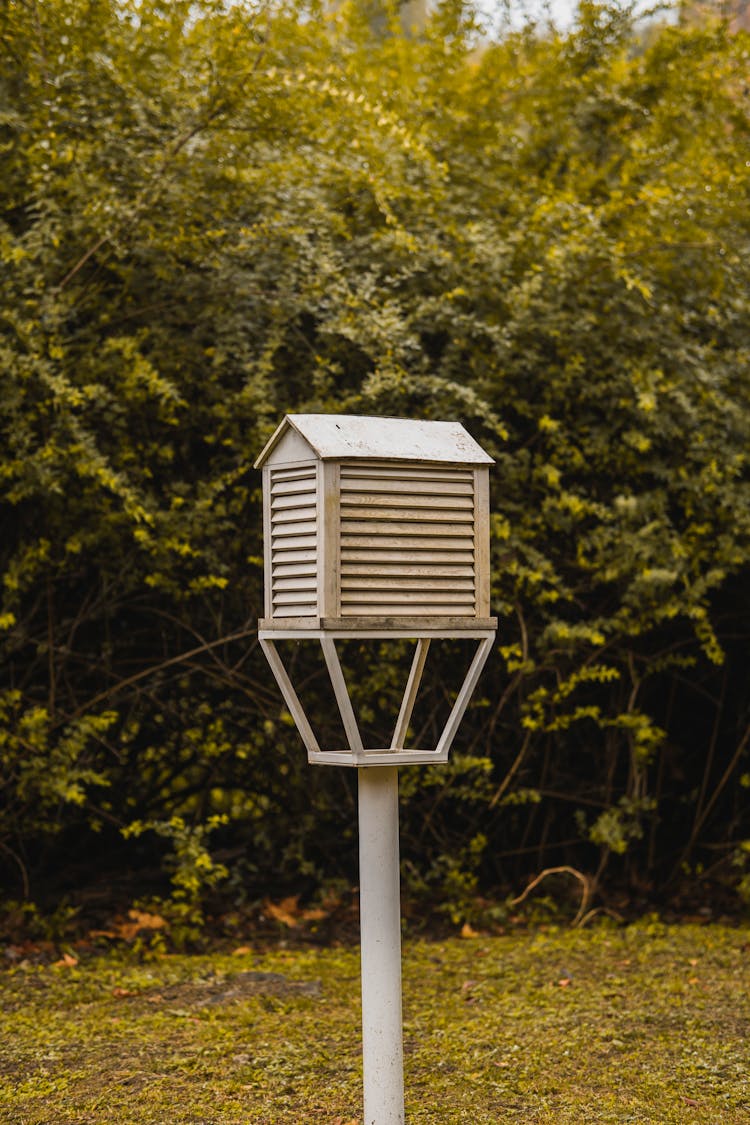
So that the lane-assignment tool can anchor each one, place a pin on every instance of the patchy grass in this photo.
(649, 1023)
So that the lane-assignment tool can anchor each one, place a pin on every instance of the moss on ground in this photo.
(647, 1023)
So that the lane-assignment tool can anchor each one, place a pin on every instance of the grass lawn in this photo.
(649, 1023)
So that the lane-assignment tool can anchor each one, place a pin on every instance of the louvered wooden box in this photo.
(375, 523)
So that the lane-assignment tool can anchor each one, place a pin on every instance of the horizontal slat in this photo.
(292, 487)
(407, 568)
(301, 472)
(413, 502)
(304, 499)
(364, 549)
(294, 611)
(296, 514)
(367, 597)
(292, 515)
(283, 569)
(387, 470)
(416, 586)
(290, 585)
(284, 553)
(412, 516)
(380, 530)
(407, 543)
(287, 550)
(292, 538)
(292, 597)
(411, 487)
(284, 530)
(406, 609)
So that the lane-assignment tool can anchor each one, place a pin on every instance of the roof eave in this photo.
(285, 424)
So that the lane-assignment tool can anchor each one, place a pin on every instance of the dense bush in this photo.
(211, 214)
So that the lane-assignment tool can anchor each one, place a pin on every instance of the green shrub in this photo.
(210, 216)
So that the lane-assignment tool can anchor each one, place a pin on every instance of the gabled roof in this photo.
(341, 436)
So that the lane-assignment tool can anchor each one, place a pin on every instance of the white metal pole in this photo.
(380, 927)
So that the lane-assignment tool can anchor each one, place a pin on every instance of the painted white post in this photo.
(380, 929)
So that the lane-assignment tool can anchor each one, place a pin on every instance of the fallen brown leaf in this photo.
(139, 920)
(286, 911)
(148, 921)
(314, 914)
(67, 961)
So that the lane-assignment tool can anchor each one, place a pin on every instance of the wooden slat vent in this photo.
(407, 541)
(294, 541)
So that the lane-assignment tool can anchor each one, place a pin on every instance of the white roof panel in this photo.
(341, 436)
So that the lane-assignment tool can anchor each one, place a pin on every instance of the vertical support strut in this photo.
(380, 927)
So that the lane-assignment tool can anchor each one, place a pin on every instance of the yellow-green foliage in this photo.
(213, 214)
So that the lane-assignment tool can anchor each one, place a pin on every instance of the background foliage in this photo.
(214, 213)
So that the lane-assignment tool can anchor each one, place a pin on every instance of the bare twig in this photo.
(586, 889)
(22, 866)
(709, 806)
(601, 910)
(513, 770)
(144, 673)
(82, 260)
(710, 756)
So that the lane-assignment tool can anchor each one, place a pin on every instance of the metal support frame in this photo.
(396, 753)
(379, 899)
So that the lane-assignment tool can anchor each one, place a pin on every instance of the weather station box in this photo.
(375, 523)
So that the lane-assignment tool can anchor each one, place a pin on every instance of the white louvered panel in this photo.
(294, 542)
(407, 541)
